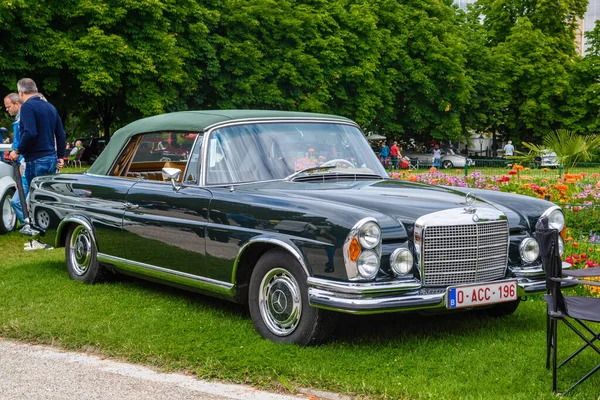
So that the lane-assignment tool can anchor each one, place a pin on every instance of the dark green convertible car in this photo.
(292, 214)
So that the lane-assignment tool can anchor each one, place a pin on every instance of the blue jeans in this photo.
(40, 167)
(437, 163)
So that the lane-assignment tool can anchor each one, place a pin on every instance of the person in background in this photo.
(437, 157)
(12, 104)
(509, 149)
(394, 154)
(42, 139)
(384, 153)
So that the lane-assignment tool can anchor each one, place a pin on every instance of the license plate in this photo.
(480, 295)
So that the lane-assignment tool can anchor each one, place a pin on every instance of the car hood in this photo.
(389, 201)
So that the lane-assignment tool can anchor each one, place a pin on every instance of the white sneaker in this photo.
(36, 245)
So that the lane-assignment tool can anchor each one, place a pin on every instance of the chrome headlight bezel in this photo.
(368, 264)
(401, 261)
(353, 239)
(369, 235)
(556, 218)
(529, 249)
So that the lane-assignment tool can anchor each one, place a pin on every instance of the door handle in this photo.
(131, 206)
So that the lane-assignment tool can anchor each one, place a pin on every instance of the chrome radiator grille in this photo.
(464, 253)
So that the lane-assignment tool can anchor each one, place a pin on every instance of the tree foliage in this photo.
(410, 68)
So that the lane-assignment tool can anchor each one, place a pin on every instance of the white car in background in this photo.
(8, 189)
(548, 159)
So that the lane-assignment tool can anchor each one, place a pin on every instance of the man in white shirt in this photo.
(509, 149)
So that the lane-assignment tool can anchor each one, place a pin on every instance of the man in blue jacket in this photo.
(42, 139)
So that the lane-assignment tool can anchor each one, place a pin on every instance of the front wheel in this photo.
(8, 220)
(278, 300)
(447, 164)
(81, 254)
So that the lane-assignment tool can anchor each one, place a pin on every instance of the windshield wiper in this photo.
(302, 171)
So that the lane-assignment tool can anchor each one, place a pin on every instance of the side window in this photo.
(192, 173)
(147, 154)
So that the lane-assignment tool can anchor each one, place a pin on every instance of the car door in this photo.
(165, 228)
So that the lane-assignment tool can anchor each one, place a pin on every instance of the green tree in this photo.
(537, 40)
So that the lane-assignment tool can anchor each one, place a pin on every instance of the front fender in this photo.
(63, 228)
(6, 182)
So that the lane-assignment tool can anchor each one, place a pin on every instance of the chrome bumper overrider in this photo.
(380, 297)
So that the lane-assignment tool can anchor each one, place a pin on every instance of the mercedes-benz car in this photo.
(293, 215)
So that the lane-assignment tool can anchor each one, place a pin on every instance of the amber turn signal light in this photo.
(354, 249)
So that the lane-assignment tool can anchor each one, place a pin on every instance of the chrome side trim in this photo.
(183, 278)
(78, 219)
(293, 250)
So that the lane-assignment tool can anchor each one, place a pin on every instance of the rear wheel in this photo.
(278, 300)
(8, 220)
(81, 254)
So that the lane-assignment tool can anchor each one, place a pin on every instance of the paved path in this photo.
(35, 372)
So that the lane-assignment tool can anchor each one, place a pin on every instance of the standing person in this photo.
(437, 157)
(12, 104)
(384, 153)
(394, 153)
(509, 149)
(42, 139)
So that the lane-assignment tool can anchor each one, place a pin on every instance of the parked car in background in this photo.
(450, 159)
(93, 148)
(548, 159)
(8, 218)
(293, 215)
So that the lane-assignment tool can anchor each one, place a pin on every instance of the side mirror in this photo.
(173, 175)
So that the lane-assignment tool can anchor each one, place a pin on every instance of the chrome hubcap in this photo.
(43, 219)
(80, 251)
(280, 302)
(9, 217)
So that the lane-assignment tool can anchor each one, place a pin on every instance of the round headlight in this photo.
(369, 235)
(368, 264)
(530, 250)
(556, 220)
(401, 261)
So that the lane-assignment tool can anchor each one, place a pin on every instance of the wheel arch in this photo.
(7, 183)
(67, 223)
(249, 255)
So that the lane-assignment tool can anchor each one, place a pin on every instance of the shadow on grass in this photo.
(350, 329)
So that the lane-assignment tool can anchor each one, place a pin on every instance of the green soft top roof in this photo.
(193, 121)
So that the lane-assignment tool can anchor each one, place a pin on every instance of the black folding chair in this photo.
(575, 311)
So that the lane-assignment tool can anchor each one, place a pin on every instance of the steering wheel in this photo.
(338, 160)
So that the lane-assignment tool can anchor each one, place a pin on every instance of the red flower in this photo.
(583, 256)
(512, 172)
(569, 260)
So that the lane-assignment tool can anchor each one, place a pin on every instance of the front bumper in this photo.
(381, 297)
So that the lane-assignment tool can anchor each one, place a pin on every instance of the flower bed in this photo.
(578, 195)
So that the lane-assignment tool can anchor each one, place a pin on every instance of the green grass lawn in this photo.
(389, 356)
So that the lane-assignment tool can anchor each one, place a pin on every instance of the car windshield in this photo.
(270, 151)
